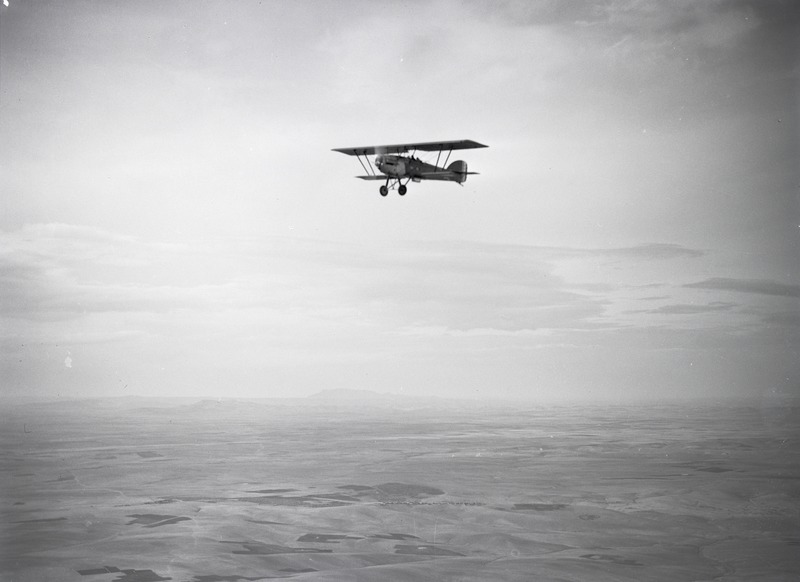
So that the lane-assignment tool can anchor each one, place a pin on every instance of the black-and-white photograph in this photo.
(399, 290)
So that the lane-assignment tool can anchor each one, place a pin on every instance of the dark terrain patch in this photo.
(393, 491)
(152, 520)
(313, 501)
(234, 578)
(128, 575)
(149, 455)
(264, 522)
(386, 492)
(326, 538)
(406, 490)
(295, 501)
(297, 570)
(273, 491)
(94, 571)
(588, 516)
(336, 497)
(45, 520)
(424, 550)
(651, 477)
(704, 467)
(612, 559)
(540, 506)
(139, 576)
(395, 536)
(259, 549)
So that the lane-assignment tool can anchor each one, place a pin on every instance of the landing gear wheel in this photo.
(384, 190)
(402, 190)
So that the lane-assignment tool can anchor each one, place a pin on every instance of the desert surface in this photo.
(141, 490)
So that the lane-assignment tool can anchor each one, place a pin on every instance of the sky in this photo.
(173, 221)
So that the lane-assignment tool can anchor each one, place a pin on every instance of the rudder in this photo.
(459, 168)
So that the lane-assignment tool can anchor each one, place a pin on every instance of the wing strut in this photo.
(450, 151)
(371, 169)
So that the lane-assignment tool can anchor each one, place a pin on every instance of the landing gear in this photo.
(401, 188)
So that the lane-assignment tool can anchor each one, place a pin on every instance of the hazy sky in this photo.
(173, 222)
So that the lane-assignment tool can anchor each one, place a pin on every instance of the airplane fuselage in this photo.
(404, 167)
(410, 168)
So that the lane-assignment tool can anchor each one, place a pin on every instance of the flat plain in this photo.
(139, 490)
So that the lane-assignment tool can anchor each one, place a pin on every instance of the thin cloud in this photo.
(229, 306)
(54, 272)
(691, 309)
(757, 286)
(58, 271)
(642, 252)
(654, 251)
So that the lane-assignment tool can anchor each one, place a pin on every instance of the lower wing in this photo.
(446, 175)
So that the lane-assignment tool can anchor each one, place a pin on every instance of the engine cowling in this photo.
(392, 165)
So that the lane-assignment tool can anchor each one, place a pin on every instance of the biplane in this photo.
(398, 164)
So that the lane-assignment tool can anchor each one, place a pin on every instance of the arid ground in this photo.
(142, 490)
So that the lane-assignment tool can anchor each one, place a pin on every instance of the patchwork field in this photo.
(140, 491)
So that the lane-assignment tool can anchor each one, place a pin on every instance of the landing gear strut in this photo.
(401, 188)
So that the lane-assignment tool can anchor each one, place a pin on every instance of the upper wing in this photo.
(428, 146)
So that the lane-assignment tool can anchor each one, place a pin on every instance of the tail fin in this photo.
(460, 169)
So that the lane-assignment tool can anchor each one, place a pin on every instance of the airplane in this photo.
(393, 166)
